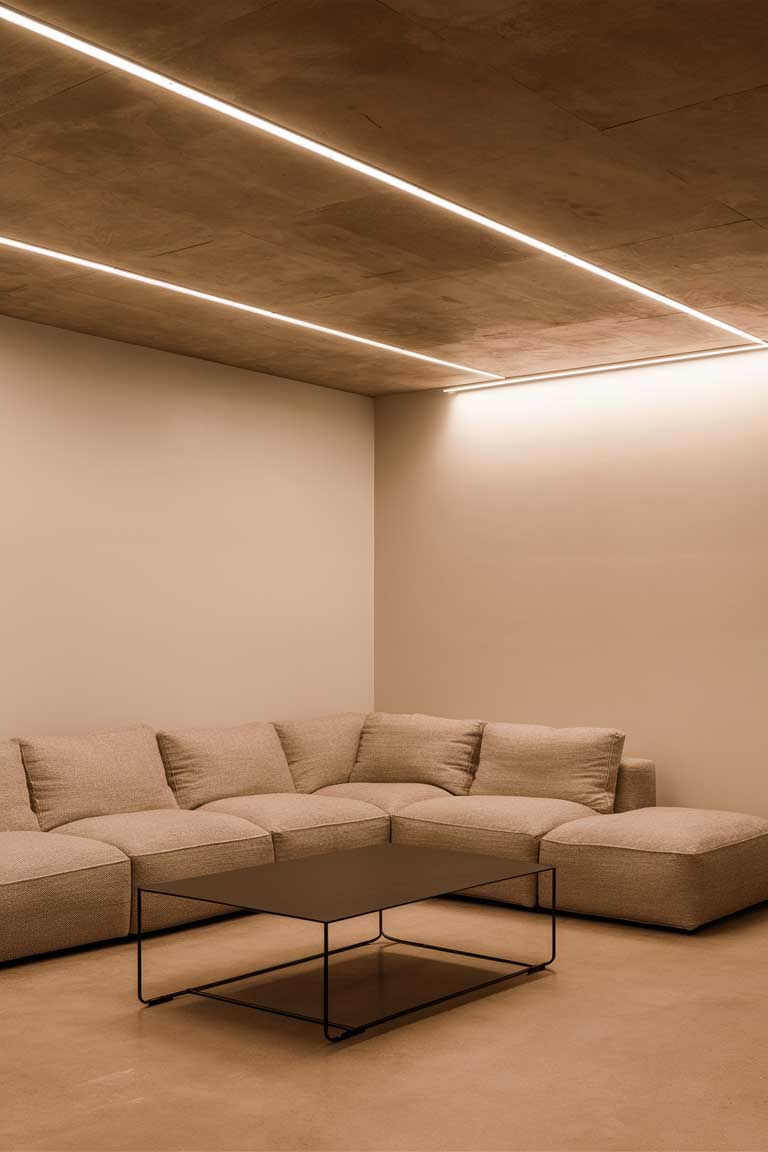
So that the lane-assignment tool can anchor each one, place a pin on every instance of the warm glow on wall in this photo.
(507, 382)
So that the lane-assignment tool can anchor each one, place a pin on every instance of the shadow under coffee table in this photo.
(340, 886)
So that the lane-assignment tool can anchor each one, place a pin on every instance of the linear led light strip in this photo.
(617, 367)
(160, 81)
(66, 258)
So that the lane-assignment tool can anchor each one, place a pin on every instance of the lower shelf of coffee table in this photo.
(379, 979)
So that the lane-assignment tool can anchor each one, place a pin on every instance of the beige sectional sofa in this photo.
(85, 820)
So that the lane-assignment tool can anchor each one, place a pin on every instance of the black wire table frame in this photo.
(335, 1030)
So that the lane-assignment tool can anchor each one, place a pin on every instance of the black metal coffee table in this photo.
(340, 886)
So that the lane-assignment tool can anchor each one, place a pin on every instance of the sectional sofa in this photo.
(85, 820)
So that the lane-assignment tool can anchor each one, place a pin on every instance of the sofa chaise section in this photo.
(681, 867)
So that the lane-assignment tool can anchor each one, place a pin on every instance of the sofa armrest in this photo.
(636, 785)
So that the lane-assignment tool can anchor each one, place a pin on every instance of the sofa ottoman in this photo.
(680, 867)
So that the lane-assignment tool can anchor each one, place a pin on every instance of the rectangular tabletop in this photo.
(340, 885)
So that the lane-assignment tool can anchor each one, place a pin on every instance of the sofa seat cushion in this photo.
(171, 844)
(59, 891)
(416, 749)
(95, 774)
(578, 764)
(321, 751)
(389, 797)
(307, 825)
(496, 825)
(205, 764)
(676, 866)
(16, 814)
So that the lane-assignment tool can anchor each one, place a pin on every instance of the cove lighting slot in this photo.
(121, 63)
(617, 367)
(94, 266)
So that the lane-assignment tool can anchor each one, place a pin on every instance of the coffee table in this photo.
(340, 886)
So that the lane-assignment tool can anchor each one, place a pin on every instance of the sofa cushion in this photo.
(577, 764)
(95, 774)
(16, 814)
(169, 844)
(60, 892)
(389, 797)
(321, 751)
(495, 825)
(676, 866)
(205, 764)
(416, 749)
(304, 825)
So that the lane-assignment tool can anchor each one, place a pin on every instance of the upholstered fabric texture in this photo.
(321, 751)
(680, 867)
(577, 764)
(95, 774)
(684, 830)
(205, 764)
(635, 784)
(389, 797)
(170, 844)
(496, 825)
(59, 892)
(416, 749)
(304, 825)
(16, 814)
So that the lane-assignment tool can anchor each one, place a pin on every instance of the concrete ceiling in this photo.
(630, 134)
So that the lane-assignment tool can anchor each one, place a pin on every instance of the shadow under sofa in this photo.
(85, 820)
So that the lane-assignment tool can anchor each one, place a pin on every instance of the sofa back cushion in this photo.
(578, 764)
(96, 774)
(16, 814)
(205, 764)
(321, 751)
(418, 749)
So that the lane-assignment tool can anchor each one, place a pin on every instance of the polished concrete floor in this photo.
(636, 1039)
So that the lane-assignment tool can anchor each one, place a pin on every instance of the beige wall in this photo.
(593, 551)
(182, 542)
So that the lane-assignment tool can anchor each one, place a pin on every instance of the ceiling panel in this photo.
(610, 61)
(500, 106)
(717, 147)
(138, 314)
